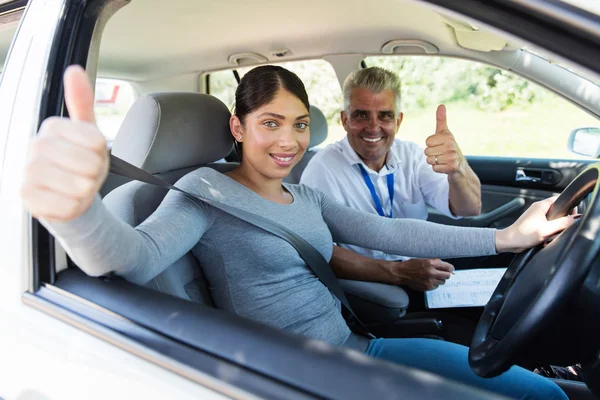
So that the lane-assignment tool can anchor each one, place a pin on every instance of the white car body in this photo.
(32, 342)
(51, 355)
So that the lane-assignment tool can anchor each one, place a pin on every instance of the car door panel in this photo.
(510, 185)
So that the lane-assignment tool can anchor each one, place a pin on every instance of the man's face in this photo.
(371, 122)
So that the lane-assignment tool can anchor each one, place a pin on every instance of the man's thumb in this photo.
(79, 94)
(440, 117)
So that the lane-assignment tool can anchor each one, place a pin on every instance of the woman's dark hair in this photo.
(260, 85)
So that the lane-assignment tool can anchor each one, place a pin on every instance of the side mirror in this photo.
(585, 142)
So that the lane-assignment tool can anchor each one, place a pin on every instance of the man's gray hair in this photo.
(374, 79)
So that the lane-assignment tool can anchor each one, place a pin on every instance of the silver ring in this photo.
(435, 160)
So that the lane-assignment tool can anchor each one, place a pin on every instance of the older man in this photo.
(373, 171)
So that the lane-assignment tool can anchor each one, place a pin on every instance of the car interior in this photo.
(170, 54)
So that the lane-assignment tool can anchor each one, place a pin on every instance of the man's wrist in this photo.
(392, 271)
(459, 175)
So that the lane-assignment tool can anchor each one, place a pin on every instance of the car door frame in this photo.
(225, 353)
(49, 299)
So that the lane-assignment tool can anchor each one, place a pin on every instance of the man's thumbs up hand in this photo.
(442, 151)
(68, 160)
(441, 123)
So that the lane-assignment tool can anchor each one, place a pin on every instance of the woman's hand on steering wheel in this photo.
(532, 228)
(522, 317)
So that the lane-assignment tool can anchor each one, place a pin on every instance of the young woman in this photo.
(256, 274)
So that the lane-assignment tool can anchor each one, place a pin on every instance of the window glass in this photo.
(491, 112)
(113, 98)
(222, 84)
(318, 77)
(592, 6)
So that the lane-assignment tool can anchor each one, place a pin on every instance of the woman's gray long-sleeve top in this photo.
(251, 272)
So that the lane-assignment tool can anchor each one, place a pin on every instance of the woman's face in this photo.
(274, 136)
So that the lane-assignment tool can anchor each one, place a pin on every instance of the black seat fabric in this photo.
(169, 135)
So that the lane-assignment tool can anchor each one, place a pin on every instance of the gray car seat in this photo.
(169, 135)
(318, 134)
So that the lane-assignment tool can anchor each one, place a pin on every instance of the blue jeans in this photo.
(450, 360)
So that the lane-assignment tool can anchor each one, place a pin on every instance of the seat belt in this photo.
(308, 253)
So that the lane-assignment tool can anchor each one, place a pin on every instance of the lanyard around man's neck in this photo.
(390, 185)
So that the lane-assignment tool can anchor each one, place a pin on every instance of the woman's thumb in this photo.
(79, 95)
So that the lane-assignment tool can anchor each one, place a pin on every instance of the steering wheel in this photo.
(538, 281)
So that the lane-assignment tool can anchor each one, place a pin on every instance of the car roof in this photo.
(168, 45)
(150, 39)
(193, 36)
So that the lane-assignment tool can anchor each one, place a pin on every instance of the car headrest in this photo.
(168, 131)
(318, 127)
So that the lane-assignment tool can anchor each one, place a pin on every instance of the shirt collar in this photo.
(392, 159)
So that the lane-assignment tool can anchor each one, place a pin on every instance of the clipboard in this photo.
(466, 288)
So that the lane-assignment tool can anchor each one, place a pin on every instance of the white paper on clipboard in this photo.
(466, 288)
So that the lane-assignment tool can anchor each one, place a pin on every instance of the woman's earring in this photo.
(239, 138)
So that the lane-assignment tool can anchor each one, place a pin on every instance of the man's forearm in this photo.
(347, 264)
(418, 274)
(465, 193)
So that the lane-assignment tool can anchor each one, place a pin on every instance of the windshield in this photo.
(592, 6)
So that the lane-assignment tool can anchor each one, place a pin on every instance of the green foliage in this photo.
(321, 84)
(318, 77)
(428, 81)
(498, 90)
(223, 85)
(491, 112)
